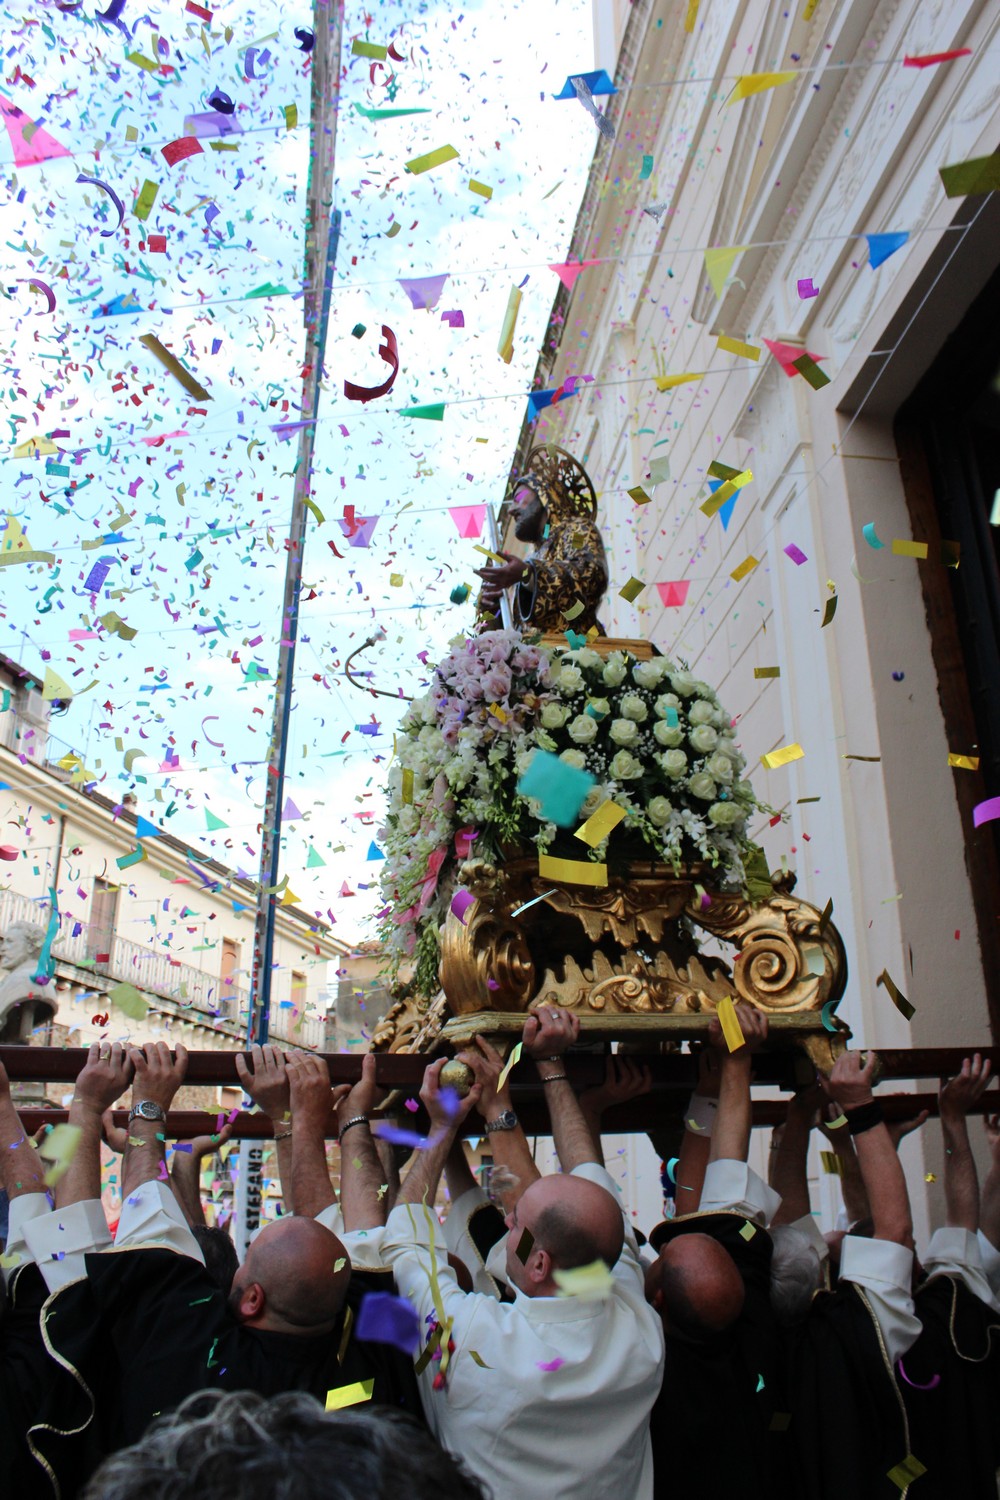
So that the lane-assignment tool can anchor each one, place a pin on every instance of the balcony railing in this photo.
(158, 974)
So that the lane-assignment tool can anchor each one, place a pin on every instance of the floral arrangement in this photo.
(656, 740)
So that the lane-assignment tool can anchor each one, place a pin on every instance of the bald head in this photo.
(294, 1278)
(572, 1222)
(695, 1286)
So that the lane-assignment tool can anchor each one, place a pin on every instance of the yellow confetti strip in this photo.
(726, 492)
(737, 346)
(373, 50)
(756, 83)
(475, 1355)
(638, 494)
(831, 1163)
(896, 995)
(512, 1062)
(175, 367)
(906, 1472)
(59, 1148)
(147, 197)
(600, 823)
(767, 671)
(505, 348)
(493, 556)
(691, 16)
(903, 548)
(964, 762)
(480, 188)
(350, 1395)
(667, 382)
(432, 159)
(408, 788)
(291, 116)
(782, 757)
(572, 871)
(729, 1021)
(745, 567)
(590, 1283)
(748, 1231)
(631, 591)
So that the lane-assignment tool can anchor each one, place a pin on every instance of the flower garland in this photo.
(656, 740)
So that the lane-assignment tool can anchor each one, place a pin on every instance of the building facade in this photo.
(863, 477)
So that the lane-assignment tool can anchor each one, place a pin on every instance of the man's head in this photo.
(796, 1272)
(695, 1286)
(568, 1222)
(221, 1261)
(294, 1279)
(238, 1446)
(528, 514)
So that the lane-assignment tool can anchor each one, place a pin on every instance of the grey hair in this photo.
(236, 1445)
(795, 1273)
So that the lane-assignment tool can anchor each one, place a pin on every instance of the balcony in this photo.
(156, 973)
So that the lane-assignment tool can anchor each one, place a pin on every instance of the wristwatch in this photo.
(146, 1110)
(506, 1121)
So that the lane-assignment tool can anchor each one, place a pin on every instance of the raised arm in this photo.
(548, 1032)
(20, 1164)
(731, 1136)
(265, 1079)
(103, 1078)
(989, 1209)
(446, 1113)
(852, 1187)
(625, 1078)
(156, 1081)
(850, 1084)
(699, 1127)
(961, 1181)
(185, 1171)
(363, 1188)
(510, 1147)
(787, 1169)
(310, 1100)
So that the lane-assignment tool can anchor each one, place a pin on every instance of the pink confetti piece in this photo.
(550, 1364)
(986, 812)
(796, 554)
(806, 289)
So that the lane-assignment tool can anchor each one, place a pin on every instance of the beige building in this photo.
(158, 948)
(903, 439)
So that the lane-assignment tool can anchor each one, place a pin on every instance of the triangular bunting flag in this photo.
(598, 82)
(881, 246)
(674, 594)
(289, 898)
(469, 519)
(432, 413)
(345, 890)
(359, 531)
(314, 859)
(289, 812)
(787, 354)
(424, 292)
(144, 829)
(568, 271)
(719, 263)
(30, 142)
(756, 83)
(212, 822)
(54, 687)
(374, 852)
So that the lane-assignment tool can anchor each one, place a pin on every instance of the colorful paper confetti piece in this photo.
(572, 871)
(431, 160)
(631, 590)
(600, 823)
(796, 554)
(729, 1021)
(782, 757)
(746, 566)
(350, 1395)
(899, 1000)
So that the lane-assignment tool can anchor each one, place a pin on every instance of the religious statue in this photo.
(553, 506)
(23, 1006)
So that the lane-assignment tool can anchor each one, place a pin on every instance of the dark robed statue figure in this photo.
(553, 505)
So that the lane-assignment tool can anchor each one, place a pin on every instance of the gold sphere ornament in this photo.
(458, 1076)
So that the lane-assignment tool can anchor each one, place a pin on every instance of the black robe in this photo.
(954, 1425)
(148, 1327)
(26, 1374)
(710, 1425)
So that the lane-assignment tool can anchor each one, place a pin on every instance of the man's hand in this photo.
(624, 1078)
(265, 1080)
(445, 1109)
(207, 1145)
(157, 1077)
(899, 1129)
(850, 1082)
(753, 1024)
(361, 1098)
(498, 578)
(103, 1078)
(487, 1065)
(549, 1031)
(957, 1095)
(309, 1080)
(115, 1136)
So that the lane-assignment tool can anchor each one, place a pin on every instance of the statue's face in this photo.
(14, 949)
(529, 515)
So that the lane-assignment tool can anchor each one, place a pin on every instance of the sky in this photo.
(181, 502)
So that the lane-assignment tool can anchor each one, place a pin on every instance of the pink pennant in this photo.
(469, 519)
(31, 143)
(570, 270)
(674, 594)
(787, 354)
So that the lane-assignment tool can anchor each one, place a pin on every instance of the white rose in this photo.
(665, 701)
(664, 735)
(599, 708)
(701, 712)
(574, 758)
(659, 811)
(719, 766)
(588, 658)
(674, 763)
(649, 674)
(522, 760)
(409, 820)
(703, 786)
(614, 671)
(683, 683)
(634, 707)
(624, 766)
(725, 814)
(594, 799)
(624, 732)
(554, 715)
(704, 739)
(583, 729)
(569, 681)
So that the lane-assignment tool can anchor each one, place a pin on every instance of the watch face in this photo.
(148, 1111)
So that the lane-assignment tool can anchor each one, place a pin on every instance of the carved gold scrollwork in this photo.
(485, 960)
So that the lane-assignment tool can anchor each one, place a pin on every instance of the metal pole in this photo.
(321, 243)
(505, 609)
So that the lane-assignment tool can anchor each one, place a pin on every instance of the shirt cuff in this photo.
(332, 1218)
(733, 1185)
(408, 1227)
(151, 1218)
(956, 1252)
(364, 1246)
(991, 1259)
(699, 1117)
(24, 1208)
(876, 1263)
(58, 1241)
(807, 1226)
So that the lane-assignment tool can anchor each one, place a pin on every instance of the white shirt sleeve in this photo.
(991, 1261)
(151, 1218)
(59, 1240)
(630, 1258)
(332, 1218)
(957, 1253)
(22, 1209)
(885, 1271)
(732, 1185)
(420, 1268)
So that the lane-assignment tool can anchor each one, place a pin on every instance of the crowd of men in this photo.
(531, 1347)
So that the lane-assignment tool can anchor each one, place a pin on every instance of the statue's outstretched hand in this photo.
(498, 578)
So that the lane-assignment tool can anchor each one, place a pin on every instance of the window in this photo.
(299, 992)
(103, 917)
(228, 976)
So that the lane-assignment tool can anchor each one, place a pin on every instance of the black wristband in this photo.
(865, 1117)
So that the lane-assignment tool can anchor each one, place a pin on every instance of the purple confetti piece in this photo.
(386, 1319)
(460, 903)
(222, 102)
(806, 288)
(454, 319)
(306, 38)
(95, 578)
(397, 1137)
(796, 554)
(931, 1385)
(550, 1364)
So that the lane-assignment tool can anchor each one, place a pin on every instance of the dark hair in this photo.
(240, 1446)
(571, 1244)
(221, 1260)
